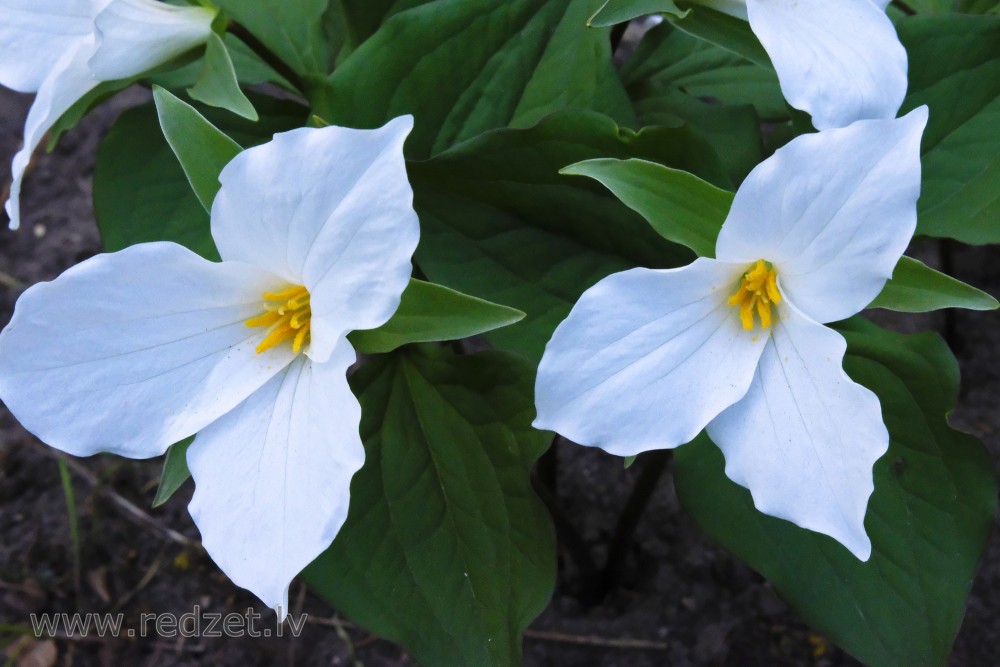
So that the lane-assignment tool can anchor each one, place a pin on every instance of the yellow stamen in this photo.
(287, 314)
(757, 291)
(300, 338)
(265, 320)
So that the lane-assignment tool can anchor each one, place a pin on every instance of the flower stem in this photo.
(267, 55)
(903, 7)
(74, 522)
(653, 466)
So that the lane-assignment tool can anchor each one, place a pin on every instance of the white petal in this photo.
(833, 211)
(36, 34)
(647, 358)
(330, 209)
(805, 437)
(135, 36)
(839, 61)
(272, 478)
(67, 83)
(131, 352)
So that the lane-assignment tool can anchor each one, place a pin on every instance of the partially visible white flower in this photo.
(63, 49)
(838, 60)
(130, 352)
(649, 358)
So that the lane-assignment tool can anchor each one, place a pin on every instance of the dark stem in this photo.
(903, 7)
(267, 55)
(547, 468)
(545, 481)
(617, 33)
(569, 540)
(653, 466)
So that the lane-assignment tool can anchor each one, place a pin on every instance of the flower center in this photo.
(757, 291)
(287, 315)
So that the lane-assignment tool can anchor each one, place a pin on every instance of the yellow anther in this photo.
(757, 291)
(300, 338)
(265, 320)
(772, 287)
(286, 295)
(287, 315)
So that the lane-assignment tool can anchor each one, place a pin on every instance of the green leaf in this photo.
(680, 206)
(955, 70)
(499, 221)
(726, 31)
(175, 471)
(202, 149)
(929, 518)
(291, 29)
(446, 548)
(428, 313)
(979, 6)
(674, 77)
(250, 69)
(966, 6)
(621, 11)
(668, 57)
(917, 288)
(82, 107)
(364, 17)
(141, 192)
(217, 84)
(733, 133)
(463, 67)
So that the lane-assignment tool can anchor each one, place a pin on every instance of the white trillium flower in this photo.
(63, 49)
(840, 61)
(649, 358)
(130, 352)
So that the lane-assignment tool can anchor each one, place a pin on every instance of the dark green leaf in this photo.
(676, 77)
(732, 132)
(201, 148)
(955, 69)
(365, 16)
(621, 11)
(291, 29)
(671, 58)
(500, 222)
(82, 107)
(217, 84)
(929, 518)
(726, 31)
(141, 193)
(463, 67)
(680, 206)
(250, 69)
(446, 549)
(429, 313)
(175, 471)
(967, 6)
(917, 288)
